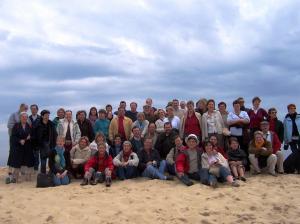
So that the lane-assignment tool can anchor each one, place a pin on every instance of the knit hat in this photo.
(192, 136)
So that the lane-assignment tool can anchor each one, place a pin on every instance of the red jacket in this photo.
(182, 162)
(255, 119)
(100, 164)
(221, 150)
(276, 144)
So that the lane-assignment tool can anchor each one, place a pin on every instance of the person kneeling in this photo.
(126, 162)
(99, 168)
(150, 164)
(216, 167)
(57, 163)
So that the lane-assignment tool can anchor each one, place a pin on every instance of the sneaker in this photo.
(108, 182)
(84, 182)
(273, 174)
(213, 184)
(8, 180)
(169, 178)
(243, 179)
(256, 172)
(186, 181)
(235, 184)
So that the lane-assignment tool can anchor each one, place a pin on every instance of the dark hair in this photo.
(151, 123)
(190, 102)
(167, 123)
(271, 109)
(69, 111)
(102, 111)
(81, 111)
(134, 103)
(233, 139)
(235, 102)
(147, 138)
(108, 105)
(207, 143)
(122, 101)
(93, 108)
(209, 101)
(290, 105)
(255, 99)
(34, 105)
(134, 127)
(222, 103)
(117, 136)
(177, 136)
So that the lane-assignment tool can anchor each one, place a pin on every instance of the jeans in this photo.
(127, 172)
(171, 169)
(295, 146)
(61, 181)
(155, 173)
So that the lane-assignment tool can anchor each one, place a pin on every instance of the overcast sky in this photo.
(79, 54)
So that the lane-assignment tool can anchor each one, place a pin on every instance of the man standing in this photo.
(132, 113)
(177, 111)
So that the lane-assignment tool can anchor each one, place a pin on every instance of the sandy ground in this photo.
(263, 199)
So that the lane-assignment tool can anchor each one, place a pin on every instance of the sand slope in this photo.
(263, 199)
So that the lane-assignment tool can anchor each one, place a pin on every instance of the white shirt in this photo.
(175, 121)
(234, 117)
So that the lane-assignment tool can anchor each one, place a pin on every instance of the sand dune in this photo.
(263, 199)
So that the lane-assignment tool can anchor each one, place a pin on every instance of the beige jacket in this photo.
(113, 128)
(219, 124)
(80, 156)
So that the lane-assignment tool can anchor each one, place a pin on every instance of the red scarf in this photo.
(121, 129)
(126, 155)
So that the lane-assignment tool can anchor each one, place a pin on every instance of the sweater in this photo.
(80, 156)
(133, 159)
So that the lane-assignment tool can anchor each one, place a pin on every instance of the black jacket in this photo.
(165, 143)
(46, 133)
(144, 158)
(237, 155)
(86, 129)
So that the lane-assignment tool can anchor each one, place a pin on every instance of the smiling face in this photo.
(208, 148)
(83, 143)
(192, 143)
(23, 118)
(259, 138)
(213, 140)
(211, 106)
(126, 147)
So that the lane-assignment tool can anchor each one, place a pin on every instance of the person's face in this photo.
(81, 116)
(94, 112)
(133, 107)
(264, 127)
(123, 105)
(192, 143)
(168, 128)
(148, 144)
(136, 132)
(121, 112)
(292, 110)
(69, 116)
(118, 141)
(175, 104)
(170, 112)
(237, 107)
(213, 140)
(210, 106)
(23, 118)
(151, 128)
(100, 139)
(209, 148)
(109, 109)
(140, 117)
(161, 114)
(259, 138)
(46, 118)
(190, 107)
(234, 145)
(202, 105)
(178, 142)
(149, 102)
(222, 108)
(273, 114)
(146, 110)
(102, 116)
(101, 150)
(256, 103)
(60, 142)
(82, 143)
(242, 102)
(126, 148)
(182, 105)
(34, 110)
(60, 114)
(24, 108)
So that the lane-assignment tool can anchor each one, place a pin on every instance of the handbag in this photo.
(44, 180)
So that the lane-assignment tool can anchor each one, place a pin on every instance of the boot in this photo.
(108, 181)
(84, 182)
(184, 179)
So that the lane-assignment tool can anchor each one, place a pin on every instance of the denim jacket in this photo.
(288, 128)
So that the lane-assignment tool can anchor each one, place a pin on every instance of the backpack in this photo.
(44, 180)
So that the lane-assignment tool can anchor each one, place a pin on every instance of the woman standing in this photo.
(93, 116)
(21, 151)
(212, 123)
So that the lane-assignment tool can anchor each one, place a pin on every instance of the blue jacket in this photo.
(102, 126)
(288, 128)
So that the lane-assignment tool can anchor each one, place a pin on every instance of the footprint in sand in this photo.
(205, 214)
(50, 218)
(205, 221)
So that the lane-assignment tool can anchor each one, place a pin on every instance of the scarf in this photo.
(60, 153)
(259, 145)
(126, 155)
(121, 129)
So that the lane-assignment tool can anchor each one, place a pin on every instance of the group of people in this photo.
(193, 142)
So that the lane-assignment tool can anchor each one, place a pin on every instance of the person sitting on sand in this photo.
(214, 141)
(99, 168)
(150, 164)
(237, 159)
(100, 138)
(217, 167)
(172, 155)
(79, 155)
(116, 147)
(57, 163)
(141, 123)
(261, 154)
(126, 162)
(136, 140)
